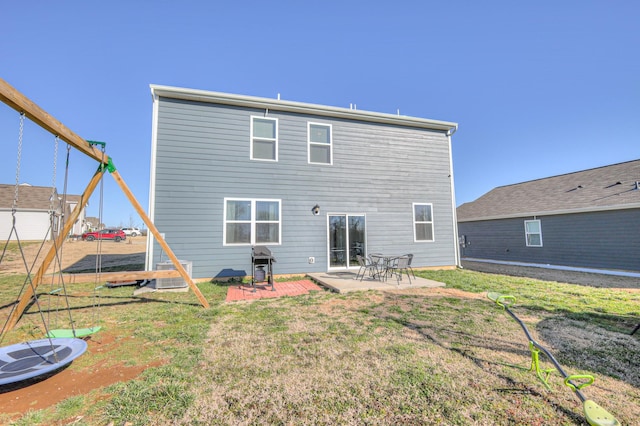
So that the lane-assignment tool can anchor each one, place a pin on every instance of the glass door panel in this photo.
(356, 239)
(337, 241)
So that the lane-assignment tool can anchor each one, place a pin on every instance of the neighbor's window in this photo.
(533, 233)
(264, 138)
(422, 222)
(251, 221)
(320, 151)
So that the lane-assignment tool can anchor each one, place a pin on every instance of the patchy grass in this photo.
(414, 357)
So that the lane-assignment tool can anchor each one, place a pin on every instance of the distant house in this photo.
(318, 185)
(80, 225)
(586, 219)
(34, 209)
(93, 224)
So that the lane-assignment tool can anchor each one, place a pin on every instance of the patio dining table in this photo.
(384, 262)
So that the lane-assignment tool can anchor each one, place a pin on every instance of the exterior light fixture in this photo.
(315, 210)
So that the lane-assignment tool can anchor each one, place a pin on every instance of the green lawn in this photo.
(374, 358)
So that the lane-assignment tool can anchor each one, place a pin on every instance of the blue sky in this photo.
(538, 88)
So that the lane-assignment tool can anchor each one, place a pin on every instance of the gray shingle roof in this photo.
(29, 197)
(602, 188)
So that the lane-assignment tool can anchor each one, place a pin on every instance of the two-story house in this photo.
(316, 184)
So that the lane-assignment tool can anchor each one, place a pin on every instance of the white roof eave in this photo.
(299, 107)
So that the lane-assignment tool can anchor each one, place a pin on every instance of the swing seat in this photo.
(68, 333)
(598, 416)
(27, 360)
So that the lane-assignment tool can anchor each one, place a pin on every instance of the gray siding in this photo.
(604, 240)
(202, 156)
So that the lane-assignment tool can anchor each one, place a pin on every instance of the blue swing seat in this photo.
(27, 360)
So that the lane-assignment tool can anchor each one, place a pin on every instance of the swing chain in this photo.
(15, 195)
(53, 181)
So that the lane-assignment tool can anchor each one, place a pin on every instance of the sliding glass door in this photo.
(347, 239)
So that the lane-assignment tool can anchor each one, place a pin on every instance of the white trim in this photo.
(456, 244)
(152, 181)
(299, 107)
(433, 228)
(252, 221)
(527, 233)
(558, 267)
(252, 139)
(309, 142)
(554, 212)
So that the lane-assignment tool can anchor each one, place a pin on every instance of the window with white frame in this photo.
(422, 222)
(320, 150)
(264, 138)
(533, 233)
(251, 221)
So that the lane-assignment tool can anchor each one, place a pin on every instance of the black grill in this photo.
(261, 258)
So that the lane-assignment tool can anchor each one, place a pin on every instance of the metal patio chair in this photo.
(410, 256)
(398, 266)
(366, 266)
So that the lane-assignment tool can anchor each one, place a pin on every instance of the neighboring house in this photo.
(93, 224)
(33, 212)
(80, 225)
(586, 219)
(316, 184)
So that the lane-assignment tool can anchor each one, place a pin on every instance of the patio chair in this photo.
(366, 266)
(410, 256)
(398, 266)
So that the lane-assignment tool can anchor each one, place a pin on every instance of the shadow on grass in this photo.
(108, 263)
(130, 300)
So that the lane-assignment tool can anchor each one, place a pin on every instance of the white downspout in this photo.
(454, 216)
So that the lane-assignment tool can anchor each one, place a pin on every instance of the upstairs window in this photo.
(422, 222)
(533, 233)
(264, 138)
(319, 136)
(251, 221)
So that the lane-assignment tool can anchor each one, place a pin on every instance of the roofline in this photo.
(26, 209)
(299, 107)
(570, 173)
(554, 212)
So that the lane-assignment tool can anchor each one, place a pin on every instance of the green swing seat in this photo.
(78, 332)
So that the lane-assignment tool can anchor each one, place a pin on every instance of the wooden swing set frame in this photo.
(22, 104)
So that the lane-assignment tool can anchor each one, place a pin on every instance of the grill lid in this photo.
(262, 252)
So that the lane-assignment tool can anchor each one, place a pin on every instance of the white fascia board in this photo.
(554, 212)
(299, 107)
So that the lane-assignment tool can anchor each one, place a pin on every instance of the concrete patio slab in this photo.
(344, 282)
